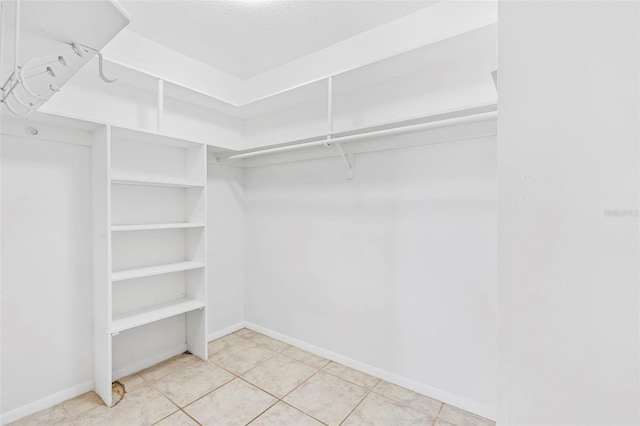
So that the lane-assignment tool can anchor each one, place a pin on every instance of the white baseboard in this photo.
(46, 402)
(227, 330)
(148, 362)
(435, 393)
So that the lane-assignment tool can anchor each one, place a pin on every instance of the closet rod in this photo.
(459, 116)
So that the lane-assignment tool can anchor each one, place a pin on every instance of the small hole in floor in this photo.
(117, 393)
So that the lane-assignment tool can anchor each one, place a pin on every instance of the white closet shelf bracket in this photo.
(346, 159)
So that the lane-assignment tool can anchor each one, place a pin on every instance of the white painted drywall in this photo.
(568, 152)
(46, 269)
(395, 269)
(225, 246)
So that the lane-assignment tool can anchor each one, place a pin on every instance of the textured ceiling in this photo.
(248, 37)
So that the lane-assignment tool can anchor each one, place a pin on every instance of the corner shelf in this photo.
(152, 182)
(128, 274)
(153, 313)
(155, 226)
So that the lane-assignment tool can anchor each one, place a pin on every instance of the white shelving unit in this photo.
(149, 212)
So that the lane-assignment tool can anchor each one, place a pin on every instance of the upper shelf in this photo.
(152, 137)
(473, 49)
(437, 77)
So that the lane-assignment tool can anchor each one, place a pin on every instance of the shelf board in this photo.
(152, 182)
(154, 313)
(155, 226)
(155, 270)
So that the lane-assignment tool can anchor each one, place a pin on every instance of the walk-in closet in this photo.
(309, 212)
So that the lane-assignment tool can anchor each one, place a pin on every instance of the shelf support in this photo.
(329, 107)
(347, 160)
(160, 103)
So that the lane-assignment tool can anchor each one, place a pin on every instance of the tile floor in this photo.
(254, 379)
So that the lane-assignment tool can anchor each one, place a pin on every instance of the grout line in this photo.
(303, 382)
(354, 408)
(306, 414)
(64, 410)
(160, 392)
(407, 405)
(302, 362)
(259, 388)
(166, 417)
(264, 411)
(207, 394)
(257, 365)
(187, 414)
(348, 380)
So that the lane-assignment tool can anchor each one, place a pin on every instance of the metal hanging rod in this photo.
(458, 116)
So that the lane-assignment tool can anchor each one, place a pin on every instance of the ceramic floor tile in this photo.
(240, 359)
(305, 357)
(462, 418)
(226, 342)
(177, 419)
(169, 366)
(131, 382)
(326, 398)
(82, 403)
(283, 414)
(273, 344)
(190, 383)
(378, 410)
(51, 416)
(234, 404)
(141, 407)
(279, 375)
(440, 422)
(246, 333)
(351, 375)
(410, 398)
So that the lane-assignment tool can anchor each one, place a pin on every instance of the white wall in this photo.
(568, 274)
(395, 269)
(46, 269)
(225, 250)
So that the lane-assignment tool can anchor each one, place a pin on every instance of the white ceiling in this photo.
(248, 37)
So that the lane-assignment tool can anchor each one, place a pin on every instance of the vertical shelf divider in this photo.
(101, 177)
